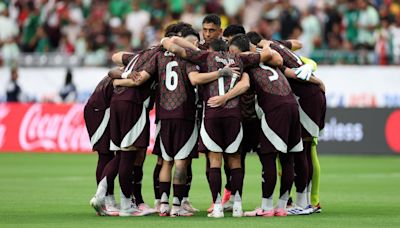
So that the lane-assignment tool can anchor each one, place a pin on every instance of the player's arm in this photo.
(289, 73)
(276, 59)
(117, 58)
(197, 78)
(182, 42)
(295, 45)
(241, 87)
(134, 79)
(115, 72)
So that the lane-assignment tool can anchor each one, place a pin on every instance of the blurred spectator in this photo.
(29, 28)
(368, 21)
(68, 91)
(395, 34)
(312, 31)
(93, 29)
(13, 89)
(9, 32)
(350, 19)
(289, 18)
(136, 21)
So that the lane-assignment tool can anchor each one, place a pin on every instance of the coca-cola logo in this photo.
(55, 131)
(4, 110)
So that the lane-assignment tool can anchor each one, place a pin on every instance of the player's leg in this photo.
(216, 183)
(185, 201)
(236, 171)
(307, 147)
(110, 172)
(286, 182)
(137, 183)
(125, 173)
(315, 177)
(103, 160)
(301, 177)
(156, 184)
(165, 187)
(179, 186)
(227, 190)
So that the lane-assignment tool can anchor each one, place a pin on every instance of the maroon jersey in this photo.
(247, 104)
(140, 93)
(101, 97)
(271, 87)
(291, 60)
(175, 96)
(214, 62)
(203, 45)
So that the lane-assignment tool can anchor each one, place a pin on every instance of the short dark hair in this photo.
(234, 29)
(254, 37)
(212, 18)
(176, 28)
(241, 41)
(189, 31)
(219, 45)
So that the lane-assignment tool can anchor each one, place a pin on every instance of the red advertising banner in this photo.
(45, 128)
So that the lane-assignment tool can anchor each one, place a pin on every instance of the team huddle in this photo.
(229, 94)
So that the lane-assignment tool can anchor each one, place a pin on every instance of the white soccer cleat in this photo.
(179, 211)
(296, 210)
(98, 205)
(111, 207)
(188, 206)
(129, 208)
(217, 212)
(146, 209)
(164, 209)
(237, 210)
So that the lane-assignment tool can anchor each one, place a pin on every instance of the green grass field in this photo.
(53, 190)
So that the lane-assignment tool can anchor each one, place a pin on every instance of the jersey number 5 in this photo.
(274, 73)
(171, 79)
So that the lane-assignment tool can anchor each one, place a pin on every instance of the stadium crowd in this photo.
(332, 31)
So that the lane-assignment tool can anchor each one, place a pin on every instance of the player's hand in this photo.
(228, 71)
(116, 83)
(135, 76)
(304, 72)
(264, 42)
(216, 101)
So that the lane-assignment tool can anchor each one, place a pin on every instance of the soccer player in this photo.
(312, 107)
(251, 124)
(176, 114)
(222, 140)
(97, 120)
(211, 30)
(129, 127)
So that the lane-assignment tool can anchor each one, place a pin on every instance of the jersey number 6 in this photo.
(171, 79)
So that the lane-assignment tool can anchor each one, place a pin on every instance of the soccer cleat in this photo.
(111, 207)
(188, 206)
(296, 210)
(164, 209)
(217, 212)
(237, 210)
(157, 204)
(146, 209)
(227, 196)
(260, 212)
(98, 206)
(179, 211)
(129, 208)
(280, 212)
(317, 209)
(211, 208)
